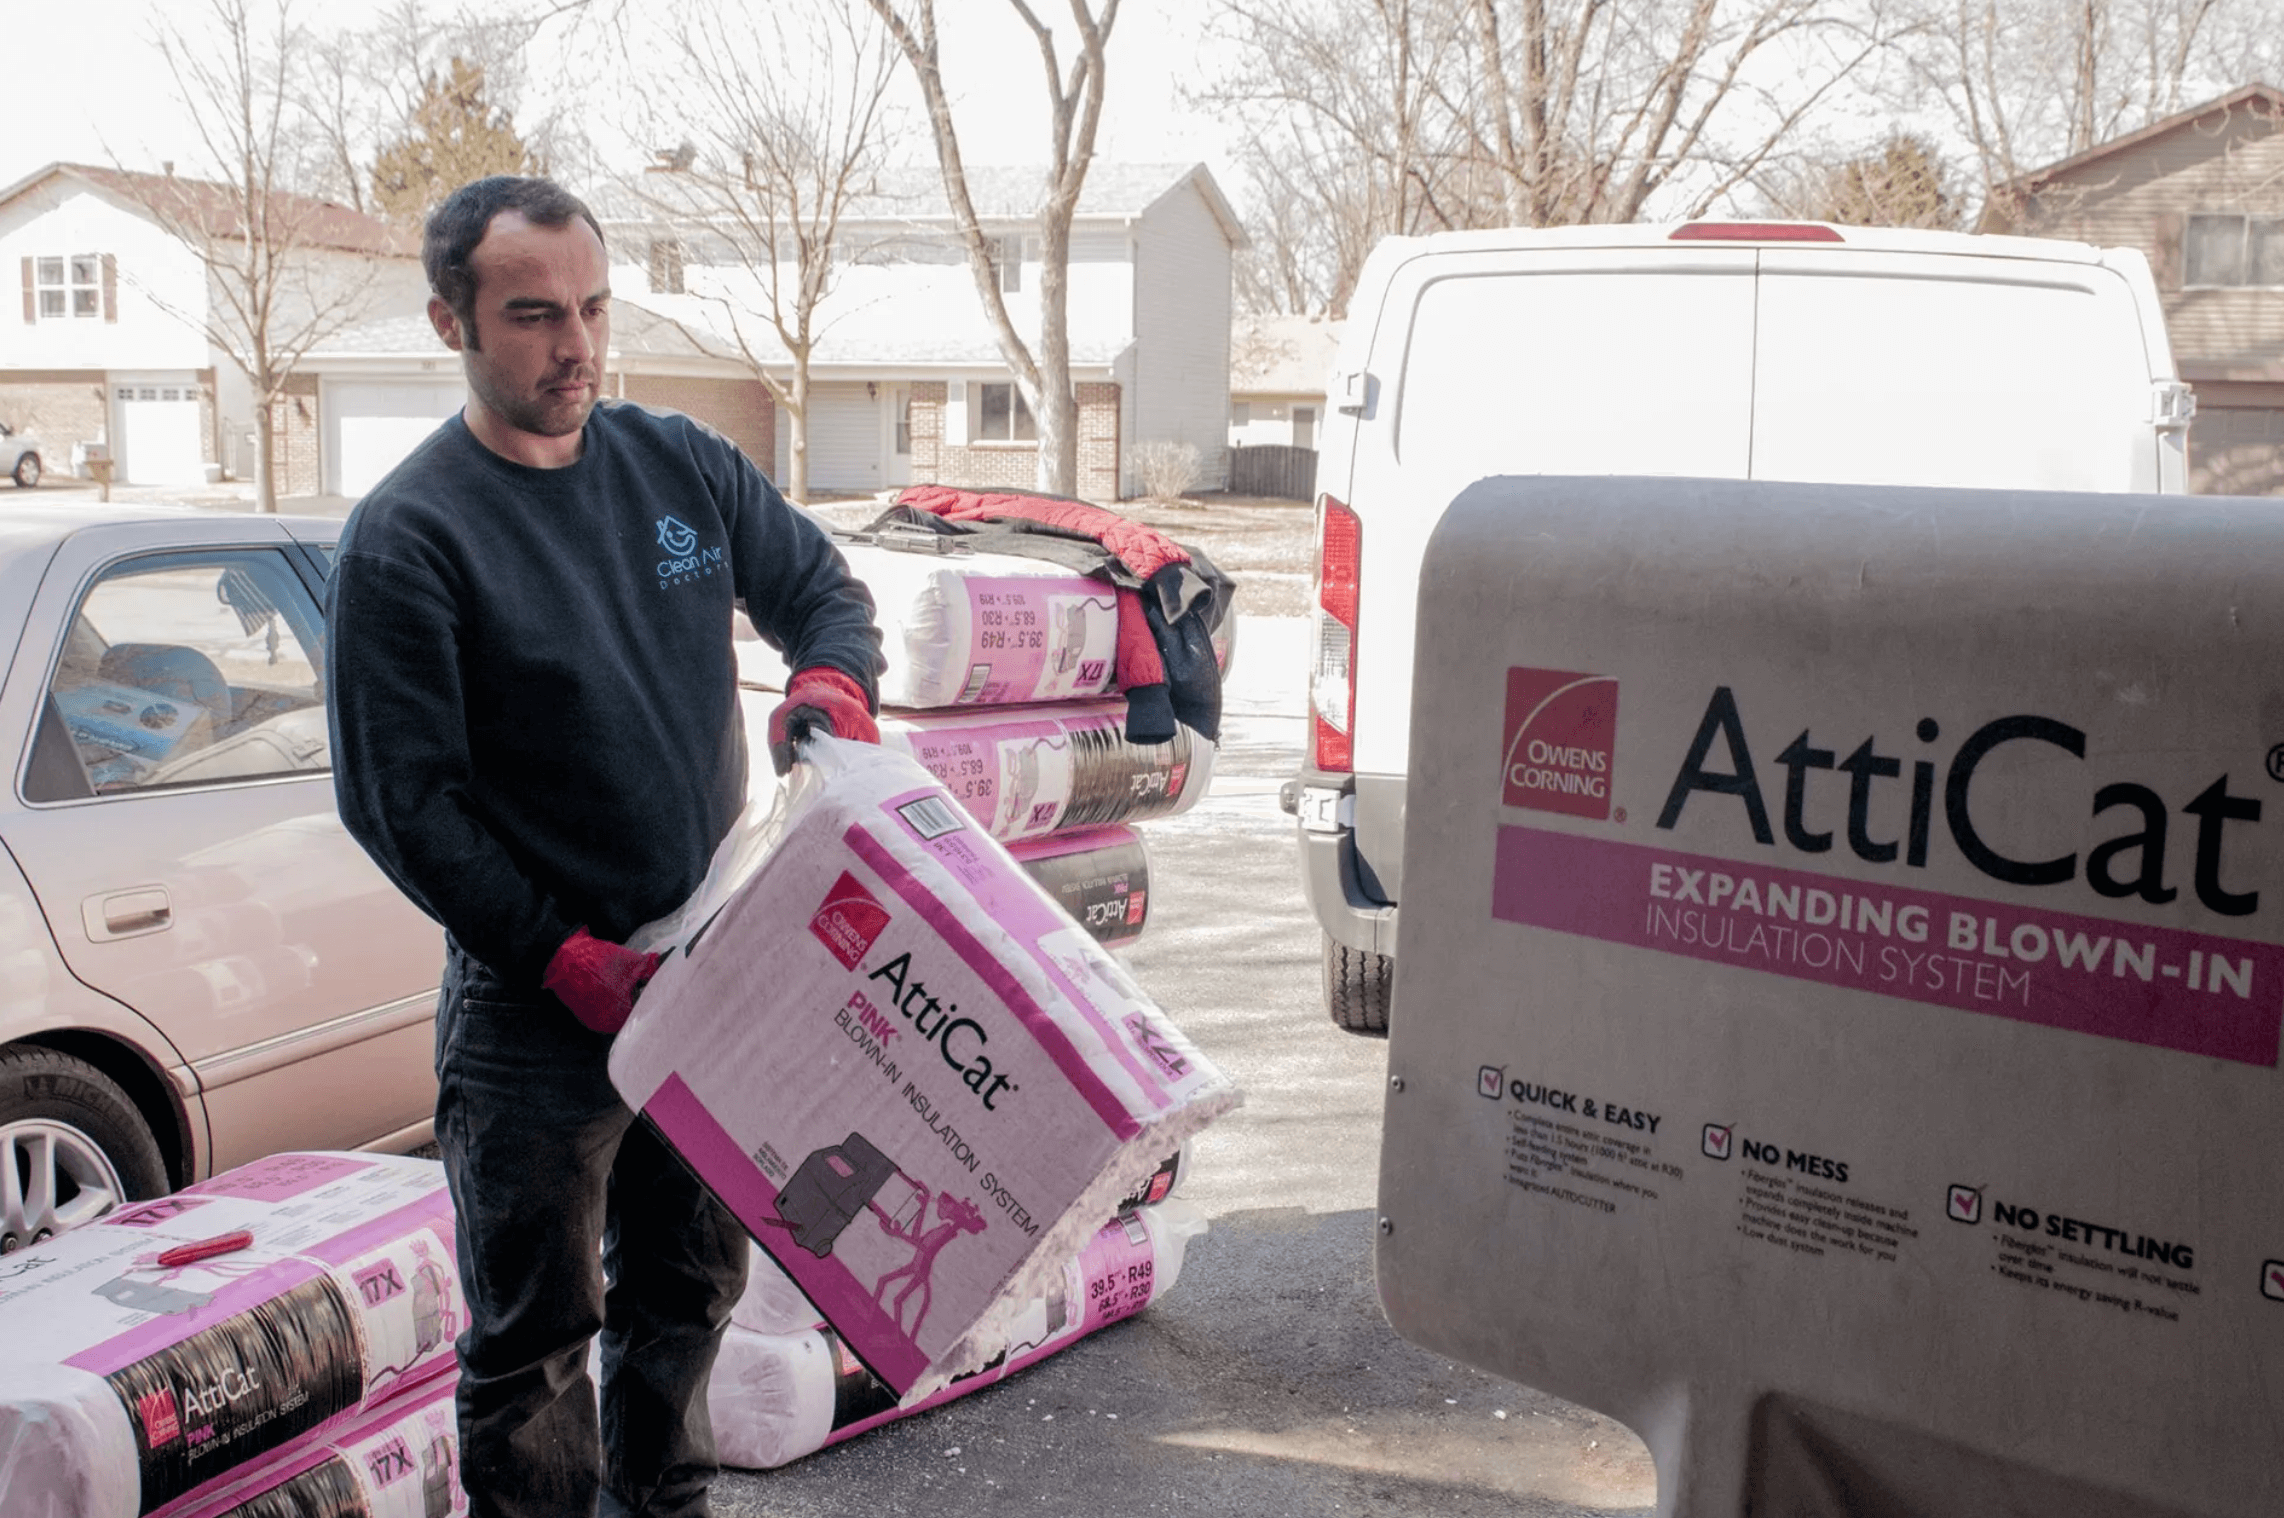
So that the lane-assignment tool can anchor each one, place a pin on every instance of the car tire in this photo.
(1357, 988)
(27, 471)
(75, 1142)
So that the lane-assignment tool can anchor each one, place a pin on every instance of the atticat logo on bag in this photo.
(1560, 735)
(849, 921)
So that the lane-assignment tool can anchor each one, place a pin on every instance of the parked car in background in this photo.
(20, 456)
(1723, 350)
(201, 967)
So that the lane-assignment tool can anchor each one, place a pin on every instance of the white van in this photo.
(1733, 350)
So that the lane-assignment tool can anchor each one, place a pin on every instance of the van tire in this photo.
(1357, 987)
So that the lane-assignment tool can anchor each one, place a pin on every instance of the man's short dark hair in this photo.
(455, 227)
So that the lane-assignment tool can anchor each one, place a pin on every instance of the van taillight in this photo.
(1754, 231)
(1332, 681)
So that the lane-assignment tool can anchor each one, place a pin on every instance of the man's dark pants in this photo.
(544, 1161)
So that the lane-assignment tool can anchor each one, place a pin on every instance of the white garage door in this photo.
(158, 435)
(372, 424)
(844, 439)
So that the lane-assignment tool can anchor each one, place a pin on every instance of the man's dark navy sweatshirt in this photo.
(532, 686)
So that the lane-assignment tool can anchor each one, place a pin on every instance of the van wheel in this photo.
(1357, 987)
(73, 1145)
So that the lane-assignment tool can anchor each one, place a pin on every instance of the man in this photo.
(536, 734)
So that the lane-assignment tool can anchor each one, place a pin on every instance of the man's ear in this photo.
(447, 323)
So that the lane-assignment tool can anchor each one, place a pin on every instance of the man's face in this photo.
(541, 324)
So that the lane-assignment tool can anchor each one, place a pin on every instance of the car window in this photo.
(192, 669)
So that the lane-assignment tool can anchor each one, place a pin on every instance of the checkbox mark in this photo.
(1965, 1204)
(2272, 1280)
(1716, 1144)
(1490, 1081)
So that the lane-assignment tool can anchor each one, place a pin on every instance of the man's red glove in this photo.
(598, 980)
(819, 699)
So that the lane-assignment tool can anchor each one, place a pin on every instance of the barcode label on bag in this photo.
(978, 676)
(931, 816)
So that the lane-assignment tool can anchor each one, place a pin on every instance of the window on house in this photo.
(1007, 258)
(903, 404)
(1001, 416)
(665, 266)
(2227, 249)
(1304, 426)
(68, 286)
(1240, 413)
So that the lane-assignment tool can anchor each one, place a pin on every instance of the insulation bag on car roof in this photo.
(987, 629)
(778, 1396)
(1038, 770)
(772, 1304)
(128, 1385)
(912, 1077)
(400, 1460)
(1101, 876)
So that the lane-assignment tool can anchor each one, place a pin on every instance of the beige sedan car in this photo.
(198, 966)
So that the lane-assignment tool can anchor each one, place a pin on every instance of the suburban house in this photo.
(110, 348)
(1278, 368)
(2202, 193)
(908, 384)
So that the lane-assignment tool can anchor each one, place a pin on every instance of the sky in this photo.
(125, 107)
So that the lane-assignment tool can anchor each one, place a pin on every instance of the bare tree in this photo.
(1440, 114)
(283, 271)
(789, 100)
(1074, 100)
(1901, 183)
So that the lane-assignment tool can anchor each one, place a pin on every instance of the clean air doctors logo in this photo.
(685, 560)
(1561, 731)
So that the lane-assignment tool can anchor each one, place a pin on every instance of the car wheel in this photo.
(72, 1147)
(28, 470)
(1357, 988)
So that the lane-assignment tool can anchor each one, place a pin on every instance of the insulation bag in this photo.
(402, 1460)
(778, 1396)
(990, 629)
(772, 1304)
(1024, 774)
(128, 1386)
(912, 1077)
(1100, 876)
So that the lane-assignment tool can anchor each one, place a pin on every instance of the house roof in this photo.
(636, 332)
(1282, 355)
(215, 210)
(2263, 98)
(911, 193)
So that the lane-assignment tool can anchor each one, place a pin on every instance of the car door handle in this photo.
(126, 914)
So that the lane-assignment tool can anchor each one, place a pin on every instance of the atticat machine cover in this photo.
(1837, 1006)
(987, 629)
(913, 1078)
(128, 1386)
(1038, 770)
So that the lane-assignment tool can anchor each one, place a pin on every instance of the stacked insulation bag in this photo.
(1005, 683)
(920, 1086)
(314, 1360)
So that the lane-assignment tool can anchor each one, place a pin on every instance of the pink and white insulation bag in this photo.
(987, 629)
(130, 1387)
(1027, 773)
(914, 1079)
(778, 1395)
(401, 1460)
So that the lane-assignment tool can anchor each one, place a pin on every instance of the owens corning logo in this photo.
(161, 1423)
(1561, 732)
(849, 921)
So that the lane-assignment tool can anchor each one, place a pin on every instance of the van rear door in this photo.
(1888, 368)
(1587, 360)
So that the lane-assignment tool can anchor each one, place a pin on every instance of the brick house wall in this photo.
(1015, 466)
(2228, 341)
(293, 435)
(60, 407)
(740, 410)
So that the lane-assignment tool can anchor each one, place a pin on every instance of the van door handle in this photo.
(127, 914)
